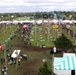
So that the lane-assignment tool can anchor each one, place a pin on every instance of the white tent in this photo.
(74, 21)
(39, 21)
(27, 21)
(15, 53)
(15, 22)
(68, 54)
(71, 22)
(32, 21)
(21, 21)
(66, 21)
(55, 21)
(45, 21)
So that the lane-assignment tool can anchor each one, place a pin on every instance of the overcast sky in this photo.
(36, 5)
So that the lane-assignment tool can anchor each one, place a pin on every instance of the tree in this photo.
(44, 70)
(63, 42)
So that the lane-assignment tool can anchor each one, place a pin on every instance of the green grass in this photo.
(23, 18)
(39, 56)
(32, 55)
(73, 28)
(18, 43)
(6, 32)
(38, 33)
(69, 36)
(38, 36)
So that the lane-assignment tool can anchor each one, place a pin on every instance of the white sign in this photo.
(54, 49)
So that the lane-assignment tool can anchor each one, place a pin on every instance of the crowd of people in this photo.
(9, 60)
(26, 31)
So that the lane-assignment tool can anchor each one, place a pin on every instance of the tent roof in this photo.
(65, 63)
(68, 54)
(24, 26)
(15, 53)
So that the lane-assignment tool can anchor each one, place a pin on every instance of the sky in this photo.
(11, 6)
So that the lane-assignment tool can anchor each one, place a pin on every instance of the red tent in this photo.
(24, 26)
(0, 47)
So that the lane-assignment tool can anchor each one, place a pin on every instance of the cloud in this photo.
(10, 8)
(36, 5)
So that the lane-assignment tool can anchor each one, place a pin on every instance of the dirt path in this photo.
(27, 68)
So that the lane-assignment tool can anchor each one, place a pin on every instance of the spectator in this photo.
(2, 70)
(18, 64)
(1, 60)
(0, 47)
(5, 73)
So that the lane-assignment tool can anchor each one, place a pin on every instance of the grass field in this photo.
(35, 55)
(6, 32)
(43, 35)
(23, 18)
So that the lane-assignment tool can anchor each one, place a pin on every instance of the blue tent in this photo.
(65, 63)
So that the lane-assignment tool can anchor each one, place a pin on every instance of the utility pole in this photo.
(5, 53)
(52, 52)
(0, 67)
(35, 28)
(17, 58)
(5, 57)
(48, 29)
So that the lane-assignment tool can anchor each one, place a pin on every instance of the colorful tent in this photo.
(68, 54)
(65, 63)
(0, 47)
(24, 26)
(55, 26)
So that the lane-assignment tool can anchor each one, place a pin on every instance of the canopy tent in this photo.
(24, 26)
(55, 26)
(65, 63)
(15, 53)
(55, 21)
(0, 47)
(66, 21)
(32, 21)
(68, 54)
(39, 21)
(15, 22)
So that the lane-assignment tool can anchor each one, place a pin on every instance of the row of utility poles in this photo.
(4, 46)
